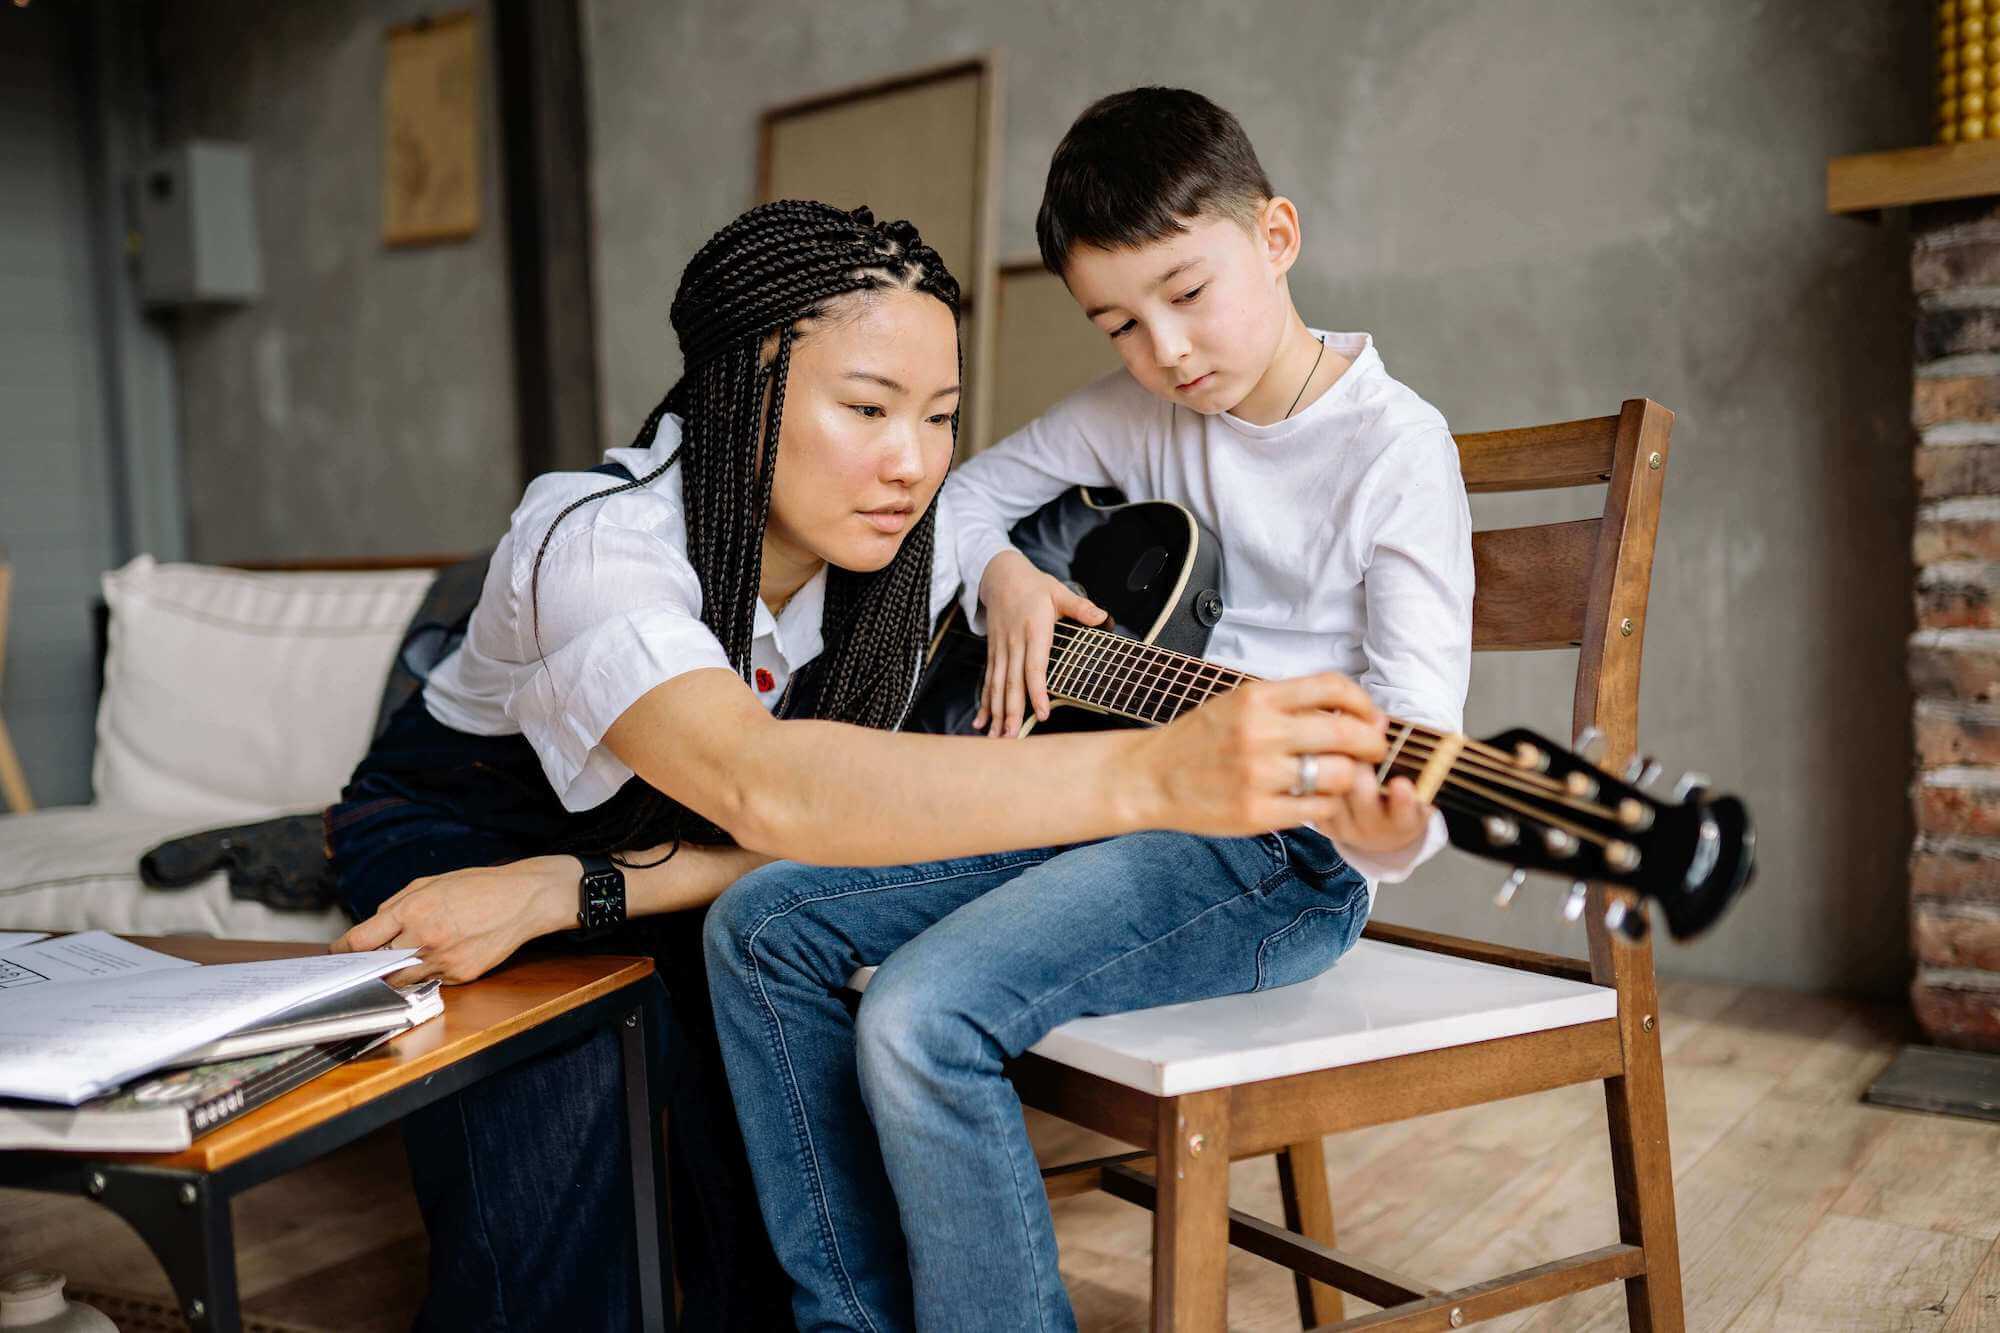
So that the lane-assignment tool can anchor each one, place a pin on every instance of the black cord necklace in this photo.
(1309, 379)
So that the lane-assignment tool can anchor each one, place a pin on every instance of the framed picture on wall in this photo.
(1043, 347)
(922, 145)
(430, 137)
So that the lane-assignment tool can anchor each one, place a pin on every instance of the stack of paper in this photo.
(81, 1015)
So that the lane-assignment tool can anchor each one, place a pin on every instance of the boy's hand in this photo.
(1022, 606)
(1378, 819)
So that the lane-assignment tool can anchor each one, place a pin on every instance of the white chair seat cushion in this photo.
(1380, 1000)
(77, 868)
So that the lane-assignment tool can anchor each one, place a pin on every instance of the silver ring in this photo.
(1308, 780)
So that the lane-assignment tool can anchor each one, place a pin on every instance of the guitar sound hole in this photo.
(1146, 568)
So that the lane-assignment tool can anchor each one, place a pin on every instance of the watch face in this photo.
(603, 898)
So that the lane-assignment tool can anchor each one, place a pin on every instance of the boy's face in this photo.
(1197, 317)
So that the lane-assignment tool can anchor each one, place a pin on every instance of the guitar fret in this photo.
(1180, 695)
(1100, 662)
(1109, 679)
(1147, 707)
(1128, 679)
(1081, 677)
(1060, 667)
(1389, 761)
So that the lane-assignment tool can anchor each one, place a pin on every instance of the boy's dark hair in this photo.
(1137, 165)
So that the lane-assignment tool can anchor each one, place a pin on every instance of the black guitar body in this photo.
(1150, 564)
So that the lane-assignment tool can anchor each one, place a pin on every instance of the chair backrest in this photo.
(1580, 584)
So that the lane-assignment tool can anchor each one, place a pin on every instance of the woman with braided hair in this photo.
(697, 666)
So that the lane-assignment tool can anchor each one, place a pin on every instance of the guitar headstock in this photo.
(1522, 799)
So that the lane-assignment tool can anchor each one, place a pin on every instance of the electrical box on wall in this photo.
(198, 226)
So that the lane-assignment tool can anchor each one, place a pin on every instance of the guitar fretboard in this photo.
(1150, 684)
(1132, 679)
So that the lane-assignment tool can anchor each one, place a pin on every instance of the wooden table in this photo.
(179, 1202)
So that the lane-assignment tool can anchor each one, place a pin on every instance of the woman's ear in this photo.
(1278, 234)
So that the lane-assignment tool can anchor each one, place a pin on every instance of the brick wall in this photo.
(1955, 652)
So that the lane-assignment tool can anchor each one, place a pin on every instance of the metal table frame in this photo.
(183, 1214)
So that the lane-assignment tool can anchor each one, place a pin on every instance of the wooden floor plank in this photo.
(1934, 1172)
(1859, 1275)
(1979, 1308)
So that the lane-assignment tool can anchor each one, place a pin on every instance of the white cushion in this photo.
(1379, 1000)
(229, 695)
(77, 868)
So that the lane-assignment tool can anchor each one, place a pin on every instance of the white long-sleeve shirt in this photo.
(1346, 537)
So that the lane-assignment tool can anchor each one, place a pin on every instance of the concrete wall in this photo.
(1540, 207)
(58, 519)
(365, 404)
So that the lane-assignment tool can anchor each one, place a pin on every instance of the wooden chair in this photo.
(13, 781)
(1198, 1085)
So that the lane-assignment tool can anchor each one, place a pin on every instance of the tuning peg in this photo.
(1579, 894)
(1508, 889)
(1588, 743)
(1530, 757)
(1501, 831)
(1643, 771)
(1558, 842)
(1689, 784)
(1621, 856)
(1627, 921)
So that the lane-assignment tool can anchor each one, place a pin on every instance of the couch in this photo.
(229, 696)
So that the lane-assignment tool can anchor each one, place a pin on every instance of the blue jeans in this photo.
(892, 1164)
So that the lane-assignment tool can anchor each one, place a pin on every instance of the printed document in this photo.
(65, 1043)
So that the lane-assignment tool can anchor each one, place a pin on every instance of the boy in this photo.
(1346, 546)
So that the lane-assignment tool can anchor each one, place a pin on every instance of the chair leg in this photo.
(1309, 1212)
(1642, 1170)
(1191, 1220)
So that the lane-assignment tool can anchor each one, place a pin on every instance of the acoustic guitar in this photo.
(1514, 797)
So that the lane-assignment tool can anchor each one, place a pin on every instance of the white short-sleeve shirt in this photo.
(620, 613)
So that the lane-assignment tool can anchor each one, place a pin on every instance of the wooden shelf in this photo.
(1868, 182)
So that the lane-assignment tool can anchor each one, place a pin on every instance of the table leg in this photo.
(185, 1221)
(641, 1118)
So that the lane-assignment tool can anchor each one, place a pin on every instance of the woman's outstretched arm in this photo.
(836, 794)
(468, 922)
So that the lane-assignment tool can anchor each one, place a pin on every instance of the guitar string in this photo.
(1197, 667)
(1191, 673)
(1123, 677)
(1205, 676)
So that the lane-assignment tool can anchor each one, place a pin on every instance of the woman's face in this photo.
(866, 436)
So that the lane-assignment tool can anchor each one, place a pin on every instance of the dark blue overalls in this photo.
(523, 1177)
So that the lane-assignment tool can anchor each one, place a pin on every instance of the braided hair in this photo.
(753, 284)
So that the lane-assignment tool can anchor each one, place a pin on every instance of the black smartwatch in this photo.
(600, 896)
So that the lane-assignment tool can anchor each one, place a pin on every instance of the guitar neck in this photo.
(1144, 683)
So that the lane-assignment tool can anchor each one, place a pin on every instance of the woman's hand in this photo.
(1229, 768)
(1022, 607)
(467, 922)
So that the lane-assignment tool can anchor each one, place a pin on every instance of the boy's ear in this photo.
(1278, 233)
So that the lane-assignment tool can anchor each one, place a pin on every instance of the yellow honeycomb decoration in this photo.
(1968, 100)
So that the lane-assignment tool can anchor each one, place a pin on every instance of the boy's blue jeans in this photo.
(902, 1113)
